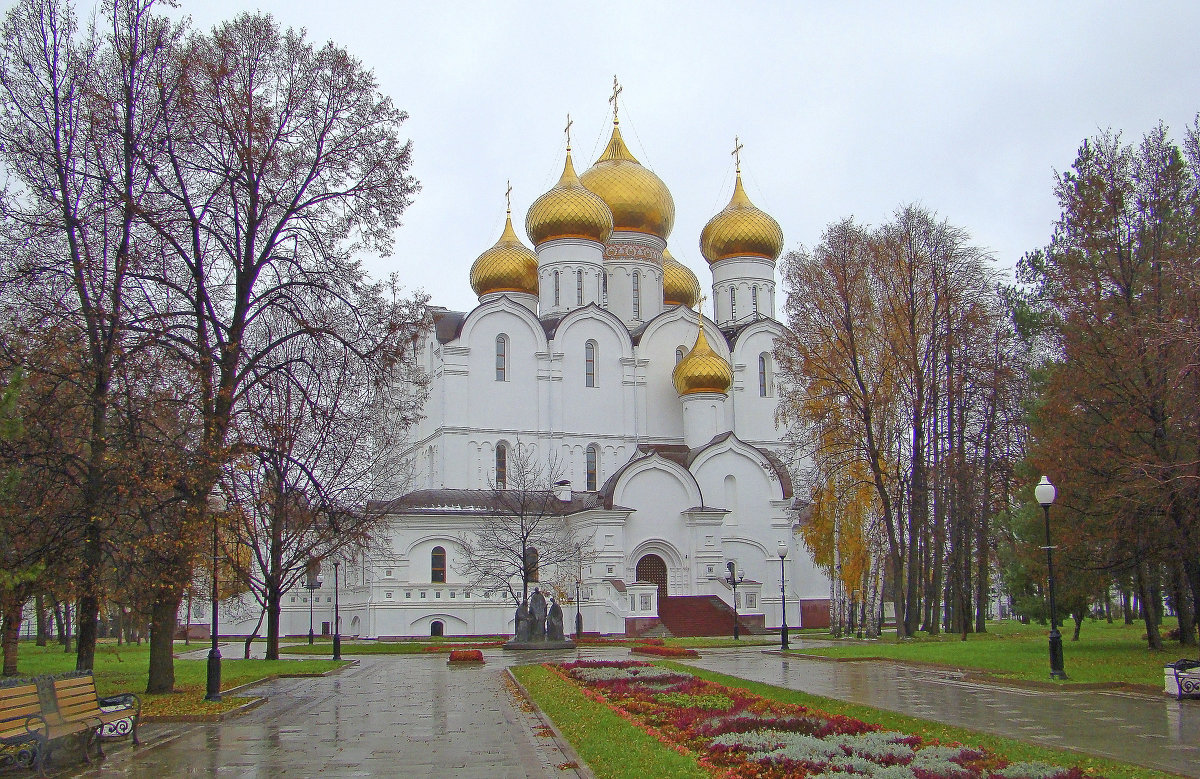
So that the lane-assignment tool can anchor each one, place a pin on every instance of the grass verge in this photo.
(612, 747)
(125, 668)
(1104, 653)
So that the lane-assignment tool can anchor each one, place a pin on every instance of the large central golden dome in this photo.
(640, 202)
(509, 266)
(702, 370)
(569, 210)
(741, 230)
(680, 285)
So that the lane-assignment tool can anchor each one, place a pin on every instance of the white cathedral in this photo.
(587, 349)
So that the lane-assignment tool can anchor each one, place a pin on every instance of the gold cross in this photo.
(617, 89)
(737, 155)
(567, 130)
(508, 197)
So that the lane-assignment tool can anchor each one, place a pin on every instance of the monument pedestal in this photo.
(522, 645)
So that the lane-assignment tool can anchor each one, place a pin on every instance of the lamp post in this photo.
(734, 580)
(212, 687)
(782, 551)
(337, 617)
(578, 585)
(1045, 493)
(312, 584)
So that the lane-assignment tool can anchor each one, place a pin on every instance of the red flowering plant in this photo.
(465, 656)
(736, 734)
(664, 651)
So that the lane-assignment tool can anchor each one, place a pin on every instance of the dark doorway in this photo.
(652, 569)
(436, 628)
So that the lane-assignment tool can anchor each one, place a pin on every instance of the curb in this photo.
(581, 768)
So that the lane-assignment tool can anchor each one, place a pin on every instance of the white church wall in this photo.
(754, 413)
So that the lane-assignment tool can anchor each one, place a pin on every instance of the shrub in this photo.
(664, 651)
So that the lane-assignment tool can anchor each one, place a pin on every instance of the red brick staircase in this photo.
(699, 615)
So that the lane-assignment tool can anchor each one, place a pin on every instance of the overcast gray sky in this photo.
(844, 108)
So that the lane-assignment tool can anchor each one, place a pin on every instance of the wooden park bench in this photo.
(1183, 679)
(76, 703)
(26, 735)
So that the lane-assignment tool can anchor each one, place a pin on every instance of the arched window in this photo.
(680, 353)
(764, 375)
(732, 304)
(754, 300)
(593, 464)
(637, 295)
(437, 628)
(501, 467)
(437, 565)
(531, 564)
(556, 288)
(501, 357)
(589, 364)
(579, 288)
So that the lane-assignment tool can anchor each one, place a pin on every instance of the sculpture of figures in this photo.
(554, 623)
(537, 609)
(524, 623)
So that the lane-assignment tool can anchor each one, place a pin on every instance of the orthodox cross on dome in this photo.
(508, 197)
(617, 89)
(737, 153)
(567, 130)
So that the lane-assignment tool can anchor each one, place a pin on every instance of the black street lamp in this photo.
(1045, 493)
(212, 687)
(734, 578)
(337, 617)
(782, 551)
(312, 584)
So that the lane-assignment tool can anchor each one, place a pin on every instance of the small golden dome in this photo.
(741, 230)
(680, 285)
(639, 201)
(569, 210)
(702, 370)
(509, 266)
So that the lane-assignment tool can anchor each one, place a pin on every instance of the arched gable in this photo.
(632, 470)
(652, 332)
(746, 335)
(512, 312)
(593, 314)
(773, 476)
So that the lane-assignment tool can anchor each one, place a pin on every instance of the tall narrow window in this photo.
(732, 305)
(593, 457)
(604, 289)
(754, 300)
(437, 565)
(501, 467)
(589, 364)
(679, 354)
(764, 375)
(579, 288)
(556, 288)
(637, 296)
(501, 357)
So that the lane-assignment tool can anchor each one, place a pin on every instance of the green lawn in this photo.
(125, 669)
(1104, 652)
(614, 748)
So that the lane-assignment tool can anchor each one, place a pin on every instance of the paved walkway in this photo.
(411, 715)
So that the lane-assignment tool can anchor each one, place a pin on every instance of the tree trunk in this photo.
(253, 635)
(43, 627)
(1127, 606)
(274, 600)
(163, 617)
(1153, 637)
(66, 629)
(1078, 617)
(10, 627)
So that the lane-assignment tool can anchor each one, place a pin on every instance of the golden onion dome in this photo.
(741, 230)
(638, 199)
(509, 266)
(680, 285)
(569, 210)
(702, 370)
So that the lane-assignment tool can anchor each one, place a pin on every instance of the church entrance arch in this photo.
(652, 569)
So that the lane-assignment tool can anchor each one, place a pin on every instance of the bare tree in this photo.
(524, 533)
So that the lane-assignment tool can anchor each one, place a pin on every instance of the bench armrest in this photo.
(125, 699)
(35, 723)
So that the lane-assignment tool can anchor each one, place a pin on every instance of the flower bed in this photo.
(597, 641)
(664, 651)
(465, 656)
(736, 734)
